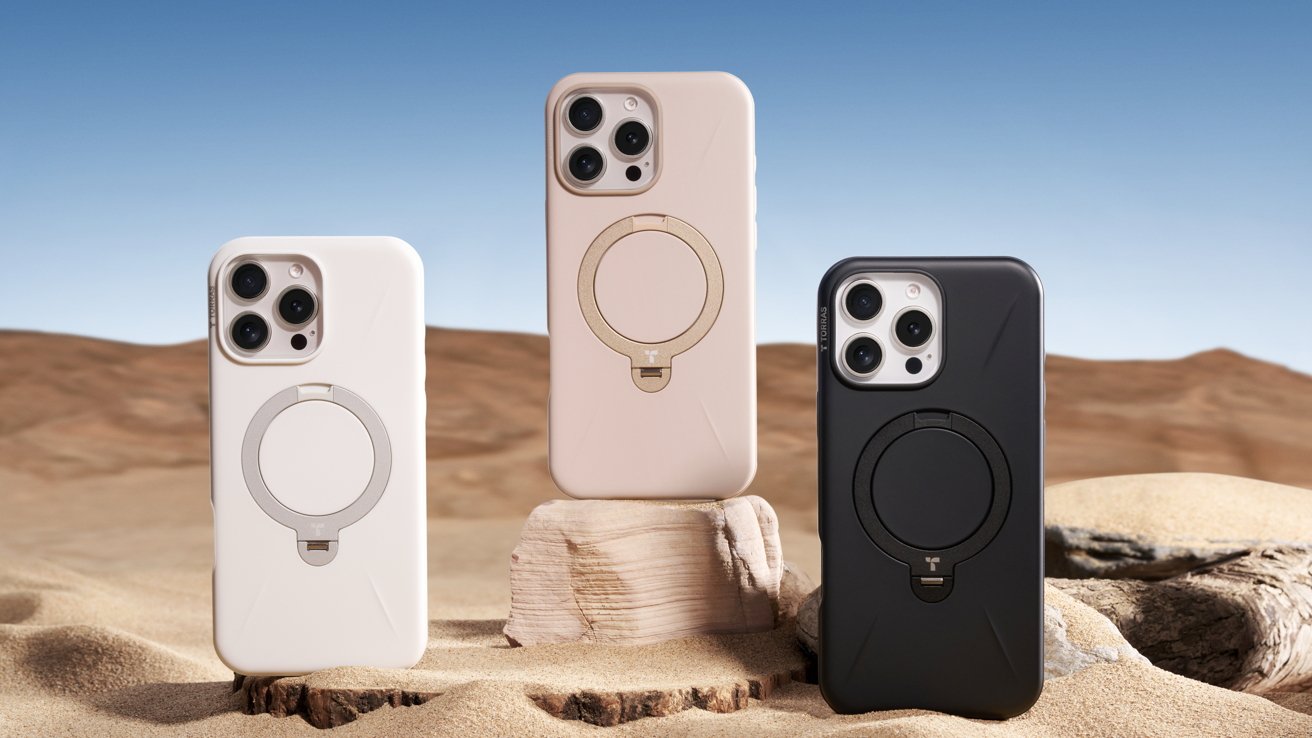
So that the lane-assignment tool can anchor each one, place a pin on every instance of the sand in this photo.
(104, 680)
(1184, 509)
(105, 544)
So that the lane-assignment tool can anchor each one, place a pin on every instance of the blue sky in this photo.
(1153, 161)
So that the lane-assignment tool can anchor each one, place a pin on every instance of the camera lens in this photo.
(863, 355)
(250, 332)
(296, 306)
(584, 114)
(585, 164)
(913, 328)
(632, 138)
(863, 301)
(249, 281)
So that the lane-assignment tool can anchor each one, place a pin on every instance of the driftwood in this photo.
(329, 707)
(1244, 623)
(612, 708)
(321, 707)
(625, 572)
(597, 683)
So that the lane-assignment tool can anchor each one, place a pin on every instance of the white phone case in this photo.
(296, 592)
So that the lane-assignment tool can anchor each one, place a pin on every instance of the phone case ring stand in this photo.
(651, 364)
(971, 491)
(316, 535)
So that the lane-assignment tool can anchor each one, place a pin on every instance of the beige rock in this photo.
(1153, 526)
(628, 572)
(794, 587)
(1243, 624)
(808, 622)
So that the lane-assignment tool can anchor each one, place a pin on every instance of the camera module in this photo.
(863, 355)
(250, 332)
(249, 281)
(863, 301)
(296, 306)
(584, 114)
(585, 164)
(913, 328)
(632, 138)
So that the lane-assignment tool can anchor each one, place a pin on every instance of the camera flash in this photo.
(913, 291)
(630, 103)
(296, 270)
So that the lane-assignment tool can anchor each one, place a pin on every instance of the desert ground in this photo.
(105, 540)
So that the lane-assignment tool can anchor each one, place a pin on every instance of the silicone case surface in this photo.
(696, 437)
(978, 651)
(274, 613)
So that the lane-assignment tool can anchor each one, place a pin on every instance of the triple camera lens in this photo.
(630, 139)
(863, 355)
(584, 114)
(250, 332)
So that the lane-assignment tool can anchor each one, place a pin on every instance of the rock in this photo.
(630, 572)
(808, 622)
(794, 588)
(1244, 624)
(1154, 526)
(597, 683)
(1097, 640)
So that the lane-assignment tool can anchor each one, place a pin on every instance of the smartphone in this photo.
(651, 243)
(930, 420)
(317, 447)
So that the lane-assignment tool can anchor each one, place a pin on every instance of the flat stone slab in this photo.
(1154, 526)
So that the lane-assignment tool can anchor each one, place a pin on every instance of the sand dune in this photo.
(105, 543)
(78, 407)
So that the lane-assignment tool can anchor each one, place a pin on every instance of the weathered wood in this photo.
(612, 708)
(631, 572)
(1244, 623)
(321, 707)
(601, 684)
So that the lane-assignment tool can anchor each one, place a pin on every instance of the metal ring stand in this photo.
(926, 564)
(651, 364)
(316, 535)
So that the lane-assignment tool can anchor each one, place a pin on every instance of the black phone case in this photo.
(957, 629)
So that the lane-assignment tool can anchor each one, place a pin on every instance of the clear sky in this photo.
(1152, 160)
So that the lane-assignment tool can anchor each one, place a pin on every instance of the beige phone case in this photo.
(652, 414)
